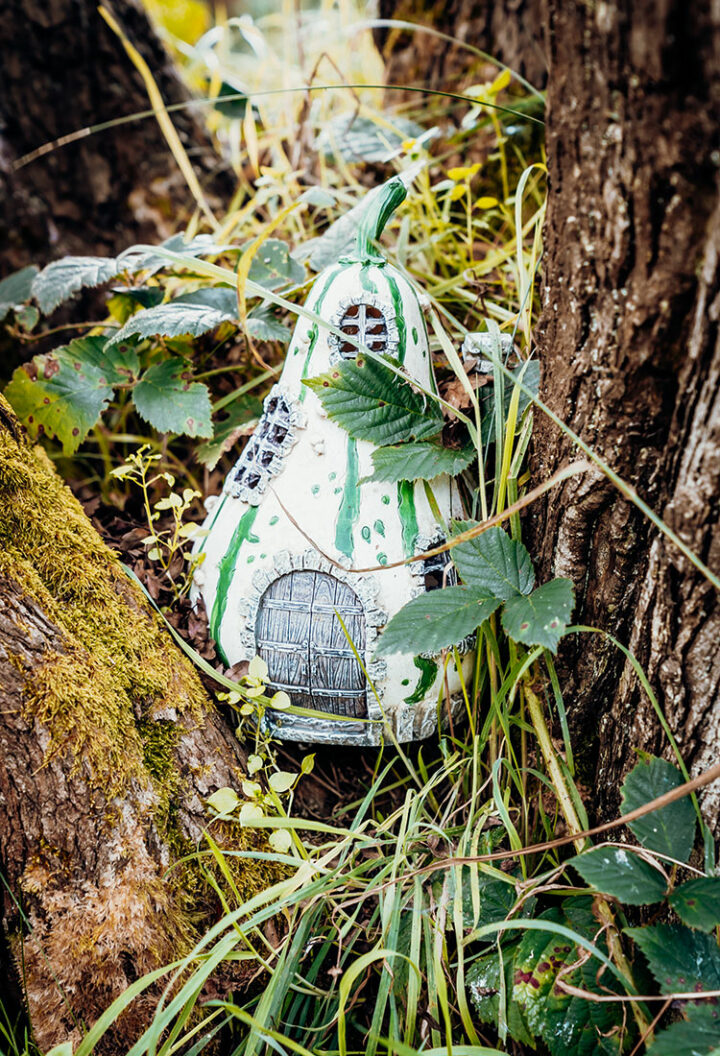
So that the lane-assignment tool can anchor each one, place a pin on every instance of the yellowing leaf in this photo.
(254, 764)
(464, 172)
(280, 700)
(250, 812)
(486, 202)
(251, 789)
(224, 800)
(501, 81)
(280, 840)
(458, 191)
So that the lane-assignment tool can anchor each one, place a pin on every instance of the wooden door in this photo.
(303, 643)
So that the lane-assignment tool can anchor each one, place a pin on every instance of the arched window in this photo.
(264, 453)
(368, 320)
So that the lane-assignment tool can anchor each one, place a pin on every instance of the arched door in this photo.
(303, 643)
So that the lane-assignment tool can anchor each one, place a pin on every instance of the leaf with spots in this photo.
(494, 562)
(63, 393)
(172, 402)
(622, 874)
(436, 620)
(273, 267)
(370, 402)
(697, 1035)
(670, 830)
(540, 618)
(680, 959)
(697, 902)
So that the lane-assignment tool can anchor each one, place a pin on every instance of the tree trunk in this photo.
(509, 30)
(109, 747)
(628, 343)
(61, 69)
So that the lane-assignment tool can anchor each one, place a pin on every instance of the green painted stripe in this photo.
(226, 571)
(428, 674)
(399, 316)
(408, 517)
(314, 329)
(365, 281)
(349, 504)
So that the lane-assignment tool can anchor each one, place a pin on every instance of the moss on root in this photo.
(116, 698)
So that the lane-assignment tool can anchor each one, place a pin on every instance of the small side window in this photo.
(437, 570)
(264, 452)
(367, 324)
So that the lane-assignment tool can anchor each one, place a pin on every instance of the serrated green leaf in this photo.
(63, 393)
(63, 278)
(618, 872)
(680, 959)
(540, 618)
(670, 830)
(494, 562)
(697, 902)
(371, 403)
(172, 402)
(240, 416)
(263, 325)
(437, 619)
(222, 298)
(418, 462)
(174, 319)
(567, 1024)
(273, 267)
(483, 984)
(698, 1035)
(16, 289)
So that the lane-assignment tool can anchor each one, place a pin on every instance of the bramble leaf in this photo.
(273, 267)
(418, 462)
(174, 319)
(63, 393)
(437, 619)
(16, 289)
(621, 874)
(697, 902)
(172, 402)
(680, 959)
(540, 618)
(698, 1035)
(670, 830)
(493, 562)
(370, 402)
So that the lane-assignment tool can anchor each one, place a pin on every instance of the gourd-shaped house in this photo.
(271, 592)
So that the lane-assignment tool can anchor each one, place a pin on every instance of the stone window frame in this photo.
(291, 419)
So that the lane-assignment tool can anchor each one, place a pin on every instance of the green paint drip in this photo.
(415, 334)
(428, 673)
(399, 317)
(382, 559)
(379, 528)
(365, 533)
(212, 523)
(349, 504)
(252, 538)
(408, 517)
(274, 519)
(385, 500)
(315, 489)
(365, 281)
(331, 476)
(226, 571)
(314, 331)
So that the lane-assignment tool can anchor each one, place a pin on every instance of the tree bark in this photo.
(62, 69)
(628, 343)
(509, 30)
(109, 747)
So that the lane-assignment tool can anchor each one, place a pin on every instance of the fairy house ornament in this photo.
(271, 592)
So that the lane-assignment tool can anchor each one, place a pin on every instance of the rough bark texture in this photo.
(628, 343)
(509, 30)
(108, 748)
(62, 69)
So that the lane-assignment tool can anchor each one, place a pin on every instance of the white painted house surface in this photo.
(295, 495)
